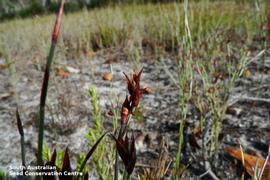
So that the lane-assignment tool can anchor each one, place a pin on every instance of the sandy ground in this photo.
(68, 106)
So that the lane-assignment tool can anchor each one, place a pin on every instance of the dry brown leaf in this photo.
(107, 76)
(62, 73)
(91, 53)
(266, 27)
(35, 58)
(233, 110)
(158, 166)
(250, 162)
(193, 140)
(218, 76)
(247, 73)
(197, 132)
(6, 95)
(110, 60)
(211, 90)
(149, 43)
(149, 90)
(3, 66)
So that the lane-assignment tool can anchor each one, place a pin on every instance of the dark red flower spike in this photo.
(127, 151)
(130, 85)
(125, 110)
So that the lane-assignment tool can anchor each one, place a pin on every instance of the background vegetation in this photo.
(25, 8)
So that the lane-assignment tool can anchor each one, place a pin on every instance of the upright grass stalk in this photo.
(184, 80)
(44, 89)
(243, 162)
(264, 165)
(219, 105)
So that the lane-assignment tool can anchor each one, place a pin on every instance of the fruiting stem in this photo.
(43, 102)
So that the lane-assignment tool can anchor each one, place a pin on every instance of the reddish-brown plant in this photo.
(133, 99)
(127, 151)
(57, 25)
(125, 110)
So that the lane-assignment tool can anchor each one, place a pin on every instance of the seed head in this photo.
(57, 25)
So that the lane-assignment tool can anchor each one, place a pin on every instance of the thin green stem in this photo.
(126, 175)
(116, 166)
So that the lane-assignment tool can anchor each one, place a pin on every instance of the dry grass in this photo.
(160, 27)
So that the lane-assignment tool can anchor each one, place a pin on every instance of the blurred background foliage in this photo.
(26, 8)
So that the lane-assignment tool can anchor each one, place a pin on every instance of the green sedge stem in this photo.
(43, 102)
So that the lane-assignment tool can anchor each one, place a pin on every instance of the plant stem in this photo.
(126, 176)
(179, 149)
(43, 102)
(116, 166)
(23, 151)
(20, 128)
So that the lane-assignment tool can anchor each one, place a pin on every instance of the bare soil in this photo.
(68, 112)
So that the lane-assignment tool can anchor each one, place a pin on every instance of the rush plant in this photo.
(124, 145)
(40, 161)
(185, 81)
(43, 96)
